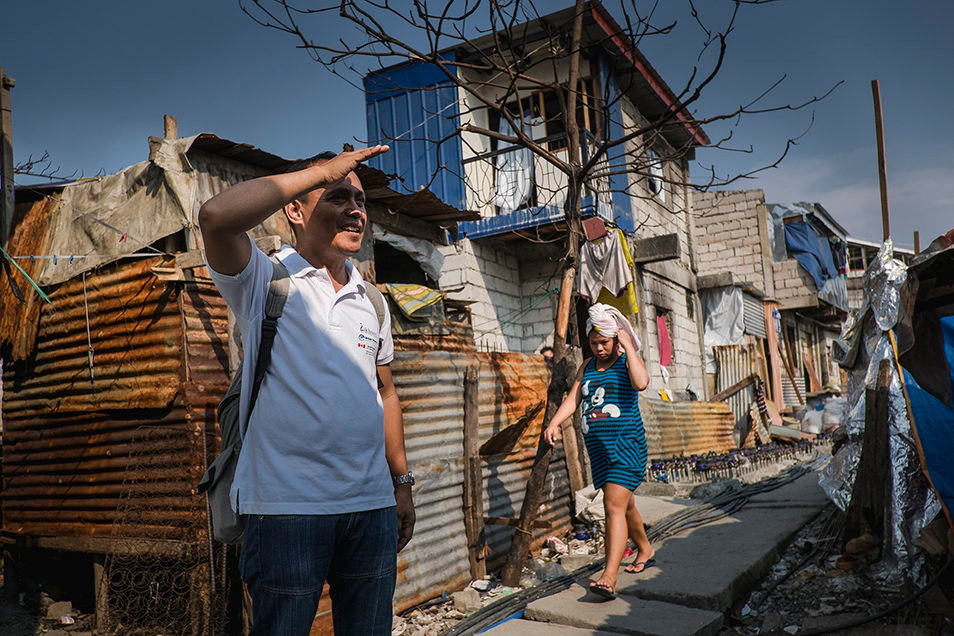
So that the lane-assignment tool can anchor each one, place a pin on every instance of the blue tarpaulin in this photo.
(811, 250)
(934, 424)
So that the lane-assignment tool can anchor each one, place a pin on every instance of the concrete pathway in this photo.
(698, 574)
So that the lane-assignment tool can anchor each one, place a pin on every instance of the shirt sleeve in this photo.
(245, 292)
(386, 350)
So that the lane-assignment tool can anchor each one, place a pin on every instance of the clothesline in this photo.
(71, 257)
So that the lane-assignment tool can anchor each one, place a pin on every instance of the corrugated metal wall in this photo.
(430, 386)
(412, 118)
(112, 455)
(683, 428)
(754, 315)
(734, 363)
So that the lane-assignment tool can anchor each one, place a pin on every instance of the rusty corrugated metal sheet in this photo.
(135, 333)
(18, 322)
(734, 363)
(430, 386)
(681, 428)
(117, 456)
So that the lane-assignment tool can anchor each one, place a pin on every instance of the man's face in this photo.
(336, 215)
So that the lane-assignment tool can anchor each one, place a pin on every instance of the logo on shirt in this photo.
(367, 330)
(368, 344)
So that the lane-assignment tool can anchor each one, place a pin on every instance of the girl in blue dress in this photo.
(606, 386)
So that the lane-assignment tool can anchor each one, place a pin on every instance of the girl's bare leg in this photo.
(637, 532)
(616, 500)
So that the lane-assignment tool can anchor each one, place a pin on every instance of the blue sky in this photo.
(94, 79)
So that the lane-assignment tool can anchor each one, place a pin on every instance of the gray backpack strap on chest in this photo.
(377, 299)
(227, 526)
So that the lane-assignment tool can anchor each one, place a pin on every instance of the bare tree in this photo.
(43, 168)
(521, 74)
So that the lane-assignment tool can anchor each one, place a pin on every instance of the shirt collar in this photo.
(298, 267)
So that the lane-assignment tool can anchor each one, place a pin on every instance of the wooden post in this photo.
(473, 477)
(563, 373)
(566, 297)
(170, 127)
(100, 589)
(882, 168)
(917, 242)
(6, 157)
(869, 496)
(788, 364)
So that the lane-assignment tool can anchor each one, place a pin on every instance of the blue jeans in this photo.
(286, 560)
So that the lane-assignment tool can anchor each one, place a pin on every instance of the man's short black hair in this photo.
(546, 348)
(301, 164)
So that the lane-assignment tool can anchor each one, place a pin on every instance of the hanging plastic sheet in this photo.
(104, 218)
(934, 422)
(863, 344)
(724, 312)
(424, 252)
(814, 253)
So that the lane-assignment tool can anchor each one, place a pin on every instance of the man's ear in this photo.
(293, 213)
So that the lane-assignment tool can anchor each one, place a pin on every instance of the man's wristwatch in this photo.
(403, 479)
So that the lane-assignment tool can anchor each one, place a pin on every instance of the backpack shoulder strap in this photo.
(274, 305)
(377, 299)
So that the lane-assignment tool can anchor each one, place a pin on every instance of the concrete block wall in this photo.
(728, 237)
(687, 363)
(794, 287)
(540, 278)
(487, 273)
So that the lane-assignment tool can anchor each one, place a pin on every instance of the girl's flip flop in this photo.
(603, 590)
(631, 568)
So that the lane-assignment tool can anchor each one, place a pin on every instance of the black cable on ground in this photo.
(699, 514)
(887, 612)
(808, 557)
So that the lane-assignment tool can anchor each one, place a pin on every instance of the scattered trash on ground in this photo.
(810, 590)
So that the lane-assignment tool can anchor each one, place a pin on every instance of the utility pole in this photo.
(882, 168)
(6, 157)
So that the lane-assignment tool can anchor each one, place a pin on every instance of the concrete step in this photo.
(709, 566)
(519, 627)
(577, 607)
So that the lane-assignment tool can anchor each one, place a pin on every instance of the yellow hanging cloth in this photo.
(626, 301)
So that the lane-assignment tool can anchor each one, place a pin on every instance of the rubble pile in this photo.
(442, 613)
(559, 557)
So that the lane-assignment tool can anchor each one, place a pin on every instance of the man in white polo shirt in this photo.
(322, 478)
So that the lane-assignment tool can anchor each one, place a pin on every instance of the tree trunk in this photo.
(562, 376)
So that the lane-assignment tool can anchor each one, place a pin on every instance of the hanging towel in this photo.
(602, 265)
(626, 301)
(412, 299)
(607, 321)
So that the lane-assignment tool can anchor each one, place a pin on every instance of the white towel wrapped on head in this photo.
(607, 320)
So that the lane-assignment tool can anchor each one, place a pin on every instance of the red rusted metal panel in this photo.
(119, 454)
(18, 322)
